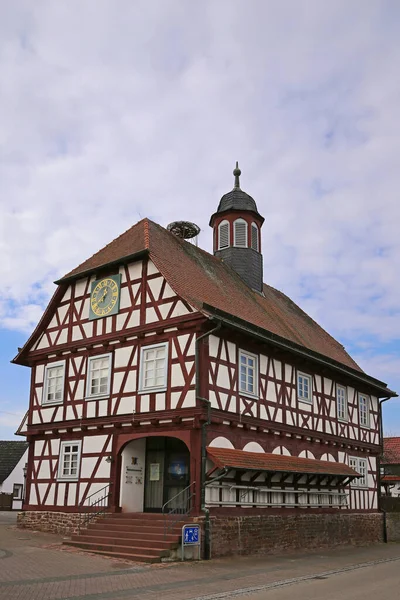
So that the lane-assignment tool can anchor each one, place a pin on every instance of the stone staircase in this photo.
(131, 536)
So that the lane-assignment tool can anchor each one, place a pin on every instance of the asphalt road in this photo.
(376, 582)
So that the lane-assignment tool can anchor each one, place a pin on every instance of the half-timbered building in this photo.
(168, 379)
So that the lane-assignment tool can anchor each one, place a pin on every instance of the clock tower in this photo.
(237, 234)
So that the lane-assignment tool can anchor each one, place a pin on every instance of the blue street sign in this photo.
(191, 535)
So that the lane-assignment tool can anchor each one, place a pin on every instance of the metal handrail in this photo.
(183, 509)
(86, 516)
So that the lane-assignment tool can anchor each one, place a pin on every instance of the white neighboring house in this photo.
(13, 460)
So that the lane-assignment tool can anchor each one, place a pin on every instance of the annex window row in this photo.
(248, 385)
(152, 375)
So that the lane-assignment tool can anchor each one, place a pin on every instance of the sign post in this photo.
(190, 537)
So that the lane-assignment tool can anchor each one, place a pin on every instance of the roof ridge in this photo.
(298, 307)
(103, 248)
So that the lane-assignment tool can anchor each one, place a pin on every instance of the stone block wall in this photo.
(393, 526)
(268, 534)
(52, 521)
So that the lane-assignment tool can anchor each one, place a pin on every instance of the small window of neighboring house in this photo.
(240, 233)
(153, 367)
(98, 376)
(69, 461)
(17, 491)
(363, 410)
(248, 374)
(53, 389)
(361, 466)
(254, 237)
(341, 402)
(223, 235)
(304, 387)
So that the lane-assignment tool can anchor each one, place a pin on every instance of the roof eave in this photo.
(272, 338)
(235, 210)
(119, 261)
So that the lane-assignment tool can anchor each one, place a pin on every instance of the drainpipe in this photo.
(204, 444)
(382, 510)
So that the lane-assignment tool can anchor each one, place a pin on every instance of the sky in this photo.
(113, 111)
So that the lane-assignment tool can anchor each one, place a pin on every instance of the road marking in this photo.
(292, 581)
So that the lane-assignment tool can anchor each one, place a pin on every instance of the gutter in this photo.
(204, 443)
(382, 510)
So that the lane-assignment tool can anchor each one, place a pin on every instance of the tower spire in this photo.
(237, 172)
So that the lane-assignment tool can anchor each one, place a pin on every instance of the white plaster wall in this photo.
(221, 442)
(16, 476)
(253, 447)
(132, 476)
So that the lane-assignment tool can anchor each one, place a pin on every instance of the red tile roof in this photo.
(254, 461)
(391, 451)
(390, 478)
(201, 278)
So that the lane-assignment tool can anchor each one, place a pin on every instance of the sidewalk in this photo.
(34, 566)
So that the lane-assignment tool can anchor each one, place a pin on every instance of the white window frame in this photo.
(355, 463)
(20, 494)
(310, 387)
(253, 394)
(366, 425)
(255, 226)
(60, 475)
(48, 367)
(225, 222)
(160, 388)
(246, 243)
(91, 359)
(344, 418)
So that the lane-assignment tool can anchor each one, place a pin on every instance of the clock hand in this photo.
(103, 296)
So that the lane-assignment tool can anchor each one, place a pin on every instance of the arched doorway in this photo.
(154, 470)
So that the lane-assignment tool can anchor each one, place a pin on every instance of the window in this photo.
(304, 387)
(248, 374)
(341, 402)
(363, 410)
(223, 235)
(359, 465)
(240, 229)
(17, 491)
(53, 389)
(254, 237)
(99, 375)
(70, 454)
(153, 367)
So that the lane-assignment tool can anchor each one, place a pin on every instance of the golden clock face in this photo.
(105, 297)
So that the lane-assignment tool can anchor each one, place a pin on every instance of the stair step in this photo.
(127, 556)
(134, 528)
(117, 541)
(131, 535)
(136, 522)
(107, 548)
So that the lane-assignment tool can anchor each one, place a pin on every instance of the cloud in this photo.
(109, 115)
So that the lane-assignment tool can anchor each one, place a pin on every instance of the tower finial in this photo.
(237, 172)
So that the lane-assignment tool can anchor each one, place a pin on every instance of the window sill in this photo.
(67, 479)
(343, 420)
(310, 402)
(152, 390)
(365, 426)
(99, 397)
(58, 403)
(249, 395)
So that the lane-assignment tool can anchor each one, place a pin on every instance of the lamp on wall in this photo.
(109, 459)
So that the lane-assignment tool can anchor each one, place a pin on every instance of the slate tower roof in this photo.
(237, 234)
